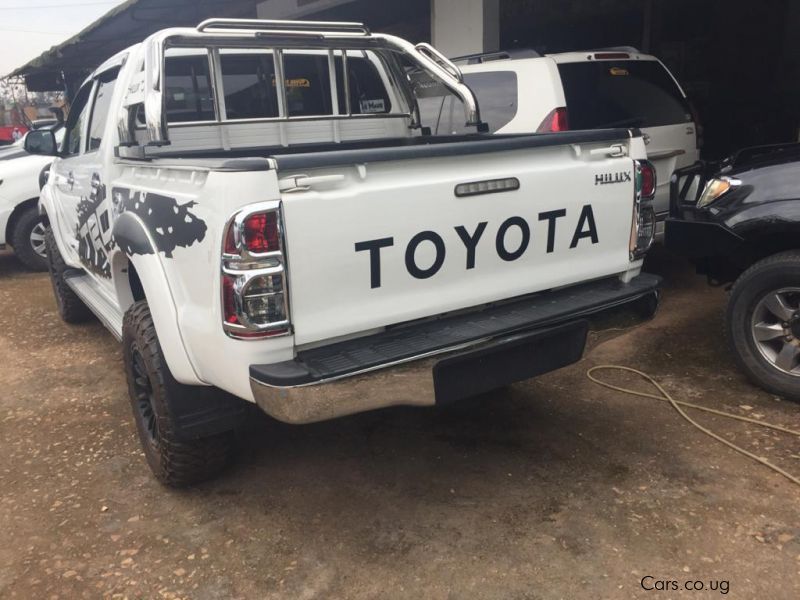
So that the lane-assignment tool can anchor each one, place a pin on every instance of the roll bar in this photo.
(147, 88)
(286, 26)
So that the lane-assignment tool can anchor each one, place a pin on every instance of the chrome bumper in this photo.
(409, 384)
(488, 349)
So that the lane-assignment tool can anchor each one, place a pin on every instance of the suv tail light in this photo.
(555, 121)
(643, 228)
(254, 292)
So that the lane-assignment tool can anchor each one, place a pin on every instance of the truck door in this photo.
(85, 215)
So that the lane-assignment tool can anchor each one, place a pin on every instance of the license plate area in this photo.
(507, 361)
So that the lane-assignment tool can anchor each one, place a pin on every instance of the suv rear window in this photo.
(622, 94)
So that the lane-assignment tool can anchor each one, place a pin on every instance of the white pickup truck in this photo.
(255, 209)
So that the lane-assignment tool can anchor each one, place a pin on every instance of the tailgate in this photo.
(378, 243)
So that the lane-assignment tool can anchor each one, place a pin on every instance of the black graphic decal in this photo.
(94, 231)
(172, 225)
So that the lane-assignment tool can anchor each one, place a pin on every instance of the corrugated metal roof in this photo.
(123, 26)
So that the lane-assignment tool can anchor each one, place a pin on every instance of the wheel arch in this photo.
(138, 274)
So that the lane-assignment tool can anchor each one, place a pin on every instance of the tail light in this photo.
(643, 228)
(555, 121)
(254, 295)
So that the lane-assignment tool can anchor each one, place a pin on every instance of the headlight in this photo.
(715, 189)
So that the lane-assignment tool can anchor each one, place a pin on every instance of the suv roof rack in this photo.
(483, 57)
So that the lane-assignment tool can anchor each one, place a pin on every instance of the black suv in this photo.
(739, 222)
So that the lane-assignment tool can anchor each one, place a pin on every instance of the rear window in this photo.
(250, 91)
(188, 89)
(622, 94)
(249, 84)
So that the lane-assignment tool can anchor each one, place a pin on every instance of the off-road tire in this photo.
(175, 462)
(768, 275)
(70, 307)
(20, 239)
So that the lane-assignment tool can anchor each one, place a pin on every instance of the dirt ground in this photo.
(553, 488)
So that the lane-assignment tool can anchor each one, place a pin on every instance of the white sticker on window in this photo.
(373, 106)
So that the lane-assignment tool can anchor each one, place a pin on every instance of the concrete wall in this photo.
(461, 27)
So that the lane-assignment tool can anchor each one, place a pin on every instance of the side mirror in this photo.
(41, 141)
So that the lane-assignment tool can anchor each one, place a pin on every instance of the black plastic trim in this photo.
(446, 146)
(411, 341)
(508, 361)
(229, 165)
(130, 237)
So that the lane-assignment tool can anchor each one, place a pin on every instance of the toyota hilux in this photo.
(258, 212)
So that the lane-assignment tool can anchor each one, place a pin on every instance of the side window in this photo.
(188, 89)
(102, 104)
(79, 112)
(248, 81)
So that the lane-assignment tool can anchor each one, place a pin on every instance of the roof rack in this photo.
(476, 59)
(283, 26)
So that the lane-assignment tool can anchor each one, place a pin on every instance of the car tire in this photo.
(174, 461)
(762, 324)
(27, 238)
(70, 307)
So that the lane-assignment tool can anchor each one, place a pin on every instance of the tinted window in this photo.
(249, 84)
(368, 95)
(621, 94)
(188, 89)
(102, 103)
(79, 112)
(497, 93)
(308, 87)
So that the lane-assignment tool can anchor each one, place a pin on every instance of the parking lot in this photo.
(553, 488)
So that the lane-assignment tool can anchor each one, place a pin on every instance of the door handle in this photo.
(615, 151)
(71, 180)
(302, 183)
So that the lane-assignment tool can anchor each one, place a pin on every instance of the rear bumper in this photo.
(446, 359)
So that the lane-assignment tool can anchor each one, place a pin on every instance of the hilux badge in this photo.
(609, 178)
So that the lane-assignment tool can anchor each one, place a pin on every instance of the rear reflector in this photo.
(555, 121)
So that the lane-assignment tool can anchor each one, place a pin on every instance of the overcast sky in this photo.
(29, 27)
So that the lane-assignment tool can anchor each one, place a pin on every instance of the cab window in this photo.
(308, 85)
(188, 89)
(248, 81)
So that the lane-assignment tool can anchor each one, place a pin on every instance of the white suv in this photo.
(524, 92)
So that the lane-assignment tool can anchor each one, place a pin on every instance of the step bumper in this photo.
(446, 359)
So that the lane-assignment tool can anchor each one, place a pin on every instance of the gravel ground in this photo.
(552, 488)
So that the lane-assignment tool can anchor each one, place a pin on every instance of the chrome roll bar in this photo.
(286, 26)
(275, 35)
